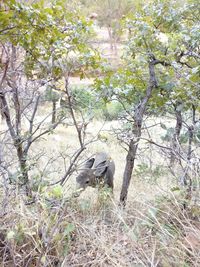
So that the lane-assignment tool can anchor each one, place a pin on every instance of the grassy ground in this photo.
(155, 229)
(158, 228)
(99, 233)
(144, 185)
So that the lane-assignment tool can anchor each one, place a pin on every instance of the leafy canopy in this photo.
(54, 39)
(168, 31)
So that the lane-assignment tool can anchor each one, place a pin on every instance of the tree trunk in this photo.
(15, 132)
(1, 111)
(176, 136)
(24, 180)
(188, 180)
(53, 118)
(130, 160)
(25, 176)
(137, 131)
(18, 145)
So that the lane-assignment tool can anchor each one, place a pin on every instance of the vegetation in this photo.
(62, 99)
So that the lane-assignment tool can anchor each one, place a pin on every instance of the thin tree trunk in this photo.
(137, 131)
(188, 181)
(24, 181)
(22, 162)
(130, 161)
(78, 130)
(1, 111)
(15, 130)
(176, 137)
(18, 145)
(53, 119)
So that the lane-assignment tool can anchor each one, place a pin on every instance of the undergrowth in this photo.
(75, 232)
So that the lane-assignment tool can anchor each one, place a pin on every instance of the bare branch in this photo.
(4, 103)
(29, 140)
(78, 129)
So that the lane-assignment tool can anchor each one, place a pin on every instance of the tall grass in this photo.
(157, 228)
(74, 232)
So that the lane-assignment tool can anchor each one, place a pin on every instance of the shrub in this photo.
(112, 110)
(87, 101)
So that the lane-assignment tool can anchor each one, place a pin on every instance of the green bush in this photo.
(112, 110)
(87, 101)
(83, 97)
(51, 95)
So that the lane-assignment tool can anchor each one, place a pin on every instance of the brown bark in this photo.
(130, 160)
(137, 131)
(14, 128)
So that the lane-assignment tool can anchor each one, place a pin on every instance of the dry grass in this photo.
(154, 230)
(99, 233)
(64, 142)
(93, 231)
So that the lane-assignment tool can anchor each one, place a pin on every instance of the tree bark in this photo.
(137, 131)
(15, 128)
(53, 119)
(24, 181)
(188, 180)
(176, 137)
(1, 110)
(130, 160)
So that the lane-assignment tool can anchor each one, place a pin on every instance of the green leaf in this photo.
(176, 188)
(57, 191)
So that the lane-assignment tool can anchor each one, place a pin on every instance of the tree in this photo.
(157, 63)
(109, 13)
(39, 46)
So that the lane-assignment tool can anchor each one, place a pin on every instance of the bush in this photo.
(112, 110)
(83, 97)
(87, 101)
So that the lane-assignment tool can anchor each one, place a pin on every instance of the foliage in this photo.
(109, 13)
(41, 44)
(159, 29)
(52, 37)
(51, 95)
(113, 110)
(151, 174)
(52, 43)
(160, 73)
(87, 101)
(83, 97)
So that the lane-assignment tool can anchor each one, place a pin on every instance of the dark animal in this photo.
(98, 170)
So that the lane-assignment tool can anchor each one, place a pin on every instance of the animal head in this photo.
(89, 176)
(86, 178)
